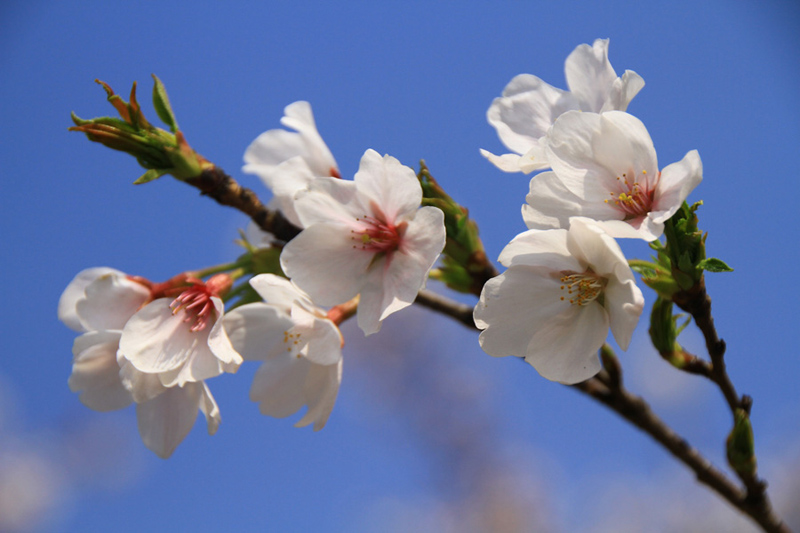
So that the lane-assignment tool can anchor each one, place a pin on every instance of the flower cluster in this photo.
(365, 247)
(567, 281)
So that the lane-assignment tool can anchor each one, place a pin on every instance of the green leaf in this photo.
(161, 103)
(712, 264)
(150, 175)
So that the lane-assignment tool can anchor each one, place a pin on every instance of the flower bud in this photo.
(157, 150)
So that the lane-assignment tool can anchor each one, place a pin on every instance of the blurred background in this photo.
(429, 433)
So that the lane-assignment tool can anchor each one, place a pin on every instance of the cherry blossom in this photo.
(369, 237)
(299, 346)
(605, 168)
(181, 340)
(554, 305)
(288, 161)
(529, 106)
(102, 302)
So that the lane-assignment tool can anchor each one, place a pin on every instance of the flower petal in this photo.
(590, 75)
(321, 390)
(540, 248)
(505, 162)
(513, 306)
(278, 385)
(278, 291)
(324, 263)
(75, 291)
(298, 116)
(95, 372)
(165, 420)
(591, 245)
(565, 348)
(526, 111)
(209, 407)
(256, 330)
(328, 200)
(322, 337)
(110, 301)
(551, 204)
(388, 185)
(623, 90)
(676, 182)
(624, 303)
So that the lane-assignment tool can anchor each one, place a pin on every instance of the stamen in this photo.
(196, 304)
(582, 288)
(377, 236)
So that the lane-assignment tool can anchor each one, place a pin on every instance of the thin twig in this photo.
(215, 183)
(441, 304)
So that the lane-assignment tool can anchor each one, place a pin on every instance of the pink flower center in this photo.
(634, 194)
(583, 288)
(196, 304)
(376, 236)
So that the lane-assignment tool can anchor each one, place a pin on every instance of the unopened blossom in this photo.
(529, 106)
(605, 168)
(287, 161)
(181, 339)
(100, 301)
(299, 346)
(554, 305)
(366, 237)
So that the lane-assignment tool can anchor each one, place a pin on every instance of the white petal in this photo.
(526, 110)
(591, 245)
(219, 343)
(538, 248)
(322, 337)
(392, 187)
(323, 262)
(257, 330)
(298, 116)
(589, 152)
(76, 291)
(278, 291)
(393, 281)
(278, 385)
(505, 162)
(565, 350)
(622, 91)
(95, 372)
(640, 228)
(270, 149)
(321, 389)
(551, 204)
(624, 303)
(285, 182)
(258, 237)
(143, 387)
(513, 306)
(209, 407)
(534, 159)
(157, 342)
(110, 301)
(328, 200)
(165, 420)
(676, 182)
(590, 75)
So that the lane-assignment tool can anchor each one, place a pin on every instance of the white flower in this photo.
(101, 302)
(288, 161)
(367, 237)
(300, 347)
(554, 305)
(180, 340)
(605, 168)
(530, 106)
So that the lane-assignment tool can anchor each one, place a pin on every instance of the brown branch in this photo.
(635, 410)
(441, 304)
(215, 183)
(697, 303)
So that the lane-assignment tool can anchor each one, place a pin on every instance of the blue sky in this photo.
(420, 432)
